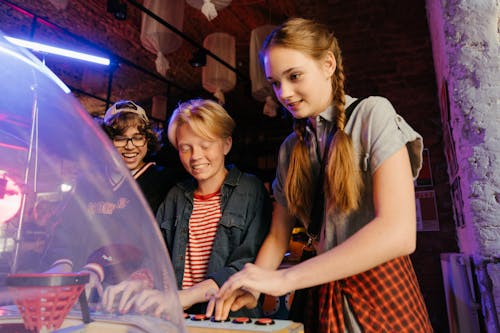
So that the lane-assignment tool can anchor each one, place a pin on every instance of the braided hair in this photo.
(342, 184)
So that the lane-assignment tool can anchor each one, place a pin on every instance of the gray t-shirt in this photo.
(377, 132)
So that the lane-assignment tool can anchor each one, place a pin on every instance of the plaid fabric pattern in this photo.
(384, 299)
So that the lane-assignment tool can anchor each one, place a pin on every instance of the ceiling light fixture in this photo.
(38, 47)
(199, 58)
(118, 9)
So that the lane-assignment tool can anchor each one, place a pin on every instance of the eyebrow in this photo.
(284, 73)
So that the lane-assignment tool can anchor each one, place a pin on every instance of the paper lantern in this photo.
(217, 78)
(261, 89)
(209, 8)
(156, 37)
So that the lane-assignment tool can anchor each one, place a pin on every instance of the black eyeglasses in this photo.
(138, 140)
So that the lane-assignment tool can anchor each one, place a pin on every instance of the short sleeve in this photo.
(378, 132)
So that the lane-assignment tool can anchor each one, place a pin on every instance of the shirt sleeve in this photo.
(381, 133)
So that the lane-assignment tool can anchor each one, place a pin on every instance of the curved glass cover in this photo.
(66, 196)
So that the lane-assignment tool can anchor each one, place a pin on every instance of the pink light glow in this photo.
(10, 197)
(6, 145)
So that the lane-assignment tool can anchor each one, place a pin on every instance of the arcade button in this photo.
(199, 317)
(187, 316)
(242, 320)
(264, 321)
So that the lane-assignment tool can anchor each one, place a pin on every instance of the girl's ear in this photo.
(228, 143)
(329, 64)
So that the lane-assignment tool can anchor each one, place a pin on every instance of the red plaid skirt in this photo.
(384, 299)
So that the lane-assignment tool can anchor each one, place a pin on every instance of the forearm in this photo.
(197, 293)
(277, 241)
(271, 253)
(391, 234)
(370, 247)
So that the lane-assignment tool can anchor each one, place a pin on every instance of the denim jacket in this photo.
(246, 215)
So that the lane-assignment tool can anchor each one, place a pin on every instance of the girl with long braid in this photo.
(346, 172)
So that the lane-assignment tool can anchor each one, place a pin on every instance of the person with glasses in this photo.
(129, 128)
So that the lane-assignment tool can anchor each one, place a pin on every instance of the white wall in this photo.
(466, 47)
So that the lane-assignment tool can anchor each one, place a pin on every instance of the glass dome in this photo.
(66, 196)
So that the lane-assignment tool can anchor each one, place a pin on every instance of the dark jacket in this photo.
(155, 183)
(246, 215)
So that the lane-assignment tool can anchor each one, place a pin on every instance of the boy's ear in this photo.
(228, 143)
(329, 64)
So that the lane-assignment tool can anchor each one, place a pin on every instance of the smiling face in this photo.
(302, 84)
(203, 158)
(132, 155)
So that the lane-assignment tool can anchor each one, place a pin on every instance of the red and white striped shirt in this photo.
(202, 229)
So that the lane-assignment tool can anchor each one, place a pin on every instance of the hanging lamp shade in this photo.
(157, 38)
(261, 89)
(209, 8)
(217, 78)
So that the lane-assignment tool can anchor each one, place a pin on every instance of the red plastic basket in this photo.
(44, 300)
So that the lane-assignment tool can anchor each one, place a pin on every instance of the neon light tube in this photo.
(56, 50)
(29, 61)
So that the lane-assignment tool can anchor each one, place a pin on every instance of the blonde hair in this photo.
(342, 183)
(205, 117)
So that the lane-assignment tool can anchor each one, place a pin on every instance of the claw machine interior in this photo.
(67, 198)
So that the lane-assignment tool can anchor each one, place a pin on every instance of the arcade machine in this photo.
(72, 217)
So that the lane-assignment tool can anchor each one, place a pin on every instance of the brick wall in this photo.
(387, 51)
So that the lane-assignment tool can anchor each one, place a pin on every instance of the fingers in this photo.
(151, 298)
(158, 312)
(130, 289)
(210, 306)
(210, 297)
(234, 294)
(128, 305)
(222, 307)
(143, 300)
(230, 286)
(218, 308)
(127, 289)
(108, 297)
(247, 300)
